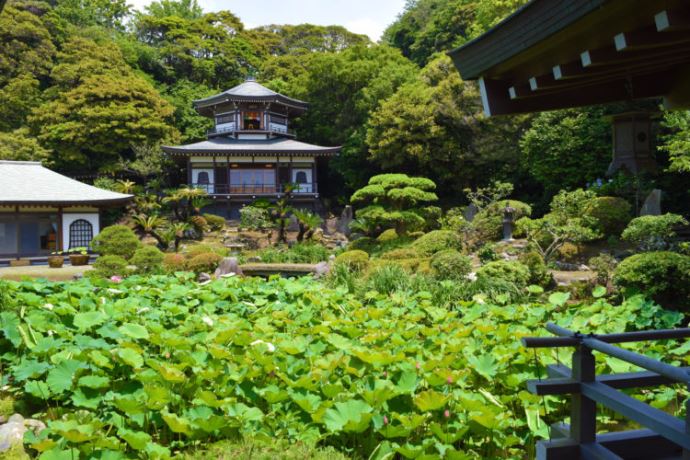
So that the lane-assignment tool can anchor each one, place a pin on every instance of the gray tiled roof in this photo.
(27, 182)
(231, 146)
(250, 90)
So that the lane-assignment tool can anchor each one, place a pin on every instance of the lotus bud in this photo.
(449, 380)
(446, 413)
(417, 365)
(385, 420)
(385, 374)
(116, 279)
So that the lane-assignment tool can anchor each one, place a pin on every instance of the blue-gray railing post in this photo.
(583, 411)
(686, 452)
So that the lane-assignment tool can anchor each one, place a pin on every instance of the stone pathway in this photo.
(65, 273)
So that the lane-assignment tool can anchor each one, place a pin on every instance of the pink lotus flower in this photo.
(449, 380)
(446, 413)
(417, 365)
(385, 374)
(385, 420)
(116, 279)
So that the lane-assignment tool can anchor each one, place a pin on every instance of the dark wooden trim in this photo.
(60, 234)
(17, 234)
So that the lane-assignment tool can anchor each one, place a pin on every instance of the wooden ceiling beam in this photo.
(568, 70)
(671, 20)
(541, 81)
(519, 90)
(648, 38)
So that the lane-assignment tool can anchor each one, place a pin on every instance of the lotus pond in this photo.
(155, 367)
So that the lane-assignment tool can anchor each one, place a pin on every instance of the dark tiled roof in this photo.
(243, 147)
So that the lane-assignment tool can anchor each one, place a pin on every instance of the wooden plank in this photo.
(648, 38)
(666, 21)
(658, 421)
(595, 451)
(553, 387)
(558, 449)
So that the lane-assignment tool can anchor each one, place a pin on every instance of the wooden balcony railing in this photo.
(255, 189)
(662, 436)
(213, 132)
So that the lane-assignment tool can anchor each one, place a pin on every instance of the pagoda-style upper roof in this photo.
(250, 91)
(27, 182)
(244, 147)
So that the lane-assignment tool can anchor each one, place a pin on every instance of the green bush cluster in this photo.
(400, 254)
(215, 223)
(511, 271)
(109, 265)
(487, 225)
(487, 253)
(116, 240)
(298, 253)
(450, 265)
(204, 263)
(662, 275)
(437, 240)
(653, 233)
(538, 271)
(147, 259)
(612, 214)
(255, 218)
(354, 259)
(174, 262)
(387, 235)
(197, 249)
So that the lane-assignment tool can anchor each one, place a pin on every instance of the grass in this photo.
(250, 449)
(66, 273)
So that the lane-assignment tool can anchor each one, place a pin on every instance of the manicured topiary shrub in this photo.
(511, 271)
(109, 265)
(450, 265)
(116, 240)
(611, 213)
(204, 263)
(197, 249)
(662, 275)
(401, 253)
(355, 259)
(538, 272)
(387, 235)
(653, 233)
(174, 263)
(215, 223)
(147, 259)
(436, 241)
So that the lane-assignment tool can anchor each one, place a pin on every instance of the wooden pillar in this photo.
(60, 234)
(227, 171)
(213, 184)
(686, 452)
(17, 232)
(189, 171)
(277, 173)
(314, 182)
(583, 411)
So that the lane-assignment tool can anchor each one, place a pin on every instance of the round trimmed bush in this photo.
(450, 265)
(401, 253)
(147, 259)
(215, 223)
(355, 259)
(436, 241)
(538, 272)
(197, 249)
(204, 263)
(662, 275)
(109, 265)
(174, 263)
(505, 270)
(653, 233)
(365, 244)
(116, 240)
(612, 214)
(387, 235)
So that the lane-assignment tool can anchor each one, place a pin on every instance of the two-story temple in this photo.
(252, 152)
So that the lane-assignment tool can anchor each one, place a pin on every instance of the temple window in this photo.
(80, 234)
(251, 120)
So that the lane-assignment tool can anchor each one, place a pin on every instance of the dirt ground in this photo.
(65, 273)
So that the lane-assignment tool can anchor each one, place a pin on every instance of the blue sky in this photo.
(368, 17)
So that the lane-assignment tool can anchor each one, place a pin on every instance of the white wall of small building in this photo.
(68, 218)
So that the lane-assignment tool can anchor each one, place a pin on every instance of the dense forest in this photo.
(93, 87)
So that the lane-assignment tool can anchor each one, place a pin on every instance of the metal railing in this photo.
(254, 189)
(224, 131)
(662, 436)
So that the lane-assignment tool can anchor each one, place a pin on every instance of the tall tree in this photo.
(434, 127)
(84, 13)
(186, 9)
(676, 139)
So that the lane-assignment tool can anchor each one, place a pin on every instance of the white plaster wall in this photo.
(67, 220)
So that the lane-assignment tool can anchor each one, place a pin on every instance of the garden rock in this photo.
(345, 220)
(204, 278)
(318, 235)
(254, 260)
(321, 270)
(229, 265)
(77, 276)
(12, 432)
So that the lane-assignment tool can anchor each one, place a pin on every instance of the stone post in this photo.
(508, 223)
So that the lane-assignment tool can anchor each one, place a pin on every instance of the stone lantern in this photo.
(508, 223)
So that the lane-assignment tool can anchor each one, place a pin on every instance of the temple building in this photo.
(251, 152)
(42, 211)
